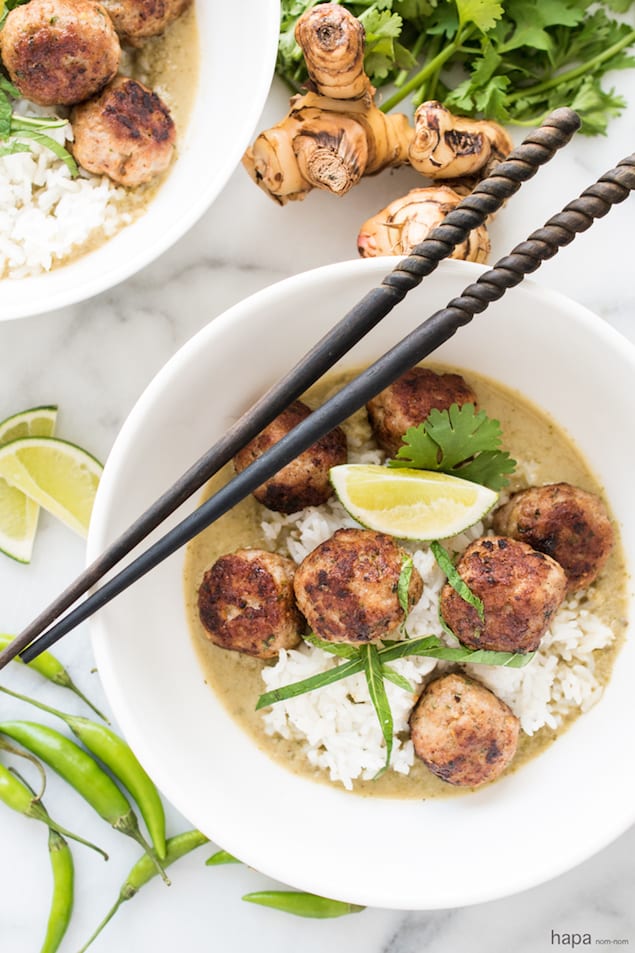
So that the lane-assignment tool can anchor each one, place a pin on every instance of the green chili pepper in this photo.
(4, 744)
(52, 669)
(118, 758)
(18, 797)
(302, 904)
(221, 857)
(83, 773)
(143, 871)
(63, 883)
(62, 899)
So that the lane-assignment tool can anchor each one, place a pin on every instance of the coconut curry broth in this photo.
(547, 456)
(168, 64)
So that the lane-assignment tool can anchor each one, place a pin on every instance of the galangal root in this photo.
(450, 149)
(453, 147)
(335, 133)
(408, 220)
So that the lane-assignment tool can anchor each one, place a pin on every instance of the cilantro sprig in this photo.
(461, 441)
(512, 61)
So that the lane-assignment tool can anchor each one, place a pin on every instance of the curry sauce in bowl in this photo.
(532, 823)
(122, 227)
(565, 680)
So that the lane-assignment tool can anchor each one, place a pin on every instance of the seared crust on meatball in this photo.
(304, 481)
(246, 603)
(126, 133)
(569, 524)
(347, 588)
(410, 399)
(520, 589)
(59, 52)
(143, 18)
(462, 731)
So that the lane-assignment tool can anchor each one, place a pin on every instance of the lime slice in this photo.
(18, 513)
(36, 422)
(410, 504)
(60, 476)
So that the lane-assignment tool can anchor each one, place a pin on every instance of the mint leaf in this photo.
(397, 679)
(459, 585)
(341, 649)
(403, 584)
(432, 647)
(377, 691)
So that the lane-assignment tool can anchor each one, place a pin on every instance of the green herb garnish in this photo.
(374, 663)
(341, 649)
(461, 441)
(14, 129)
(374, 672)
(429, 647)
(444, 561)
(403, 584)
(512, 61)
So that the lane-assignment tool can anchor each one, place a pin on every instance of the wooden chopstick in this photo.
(521, 165)
(612, 188)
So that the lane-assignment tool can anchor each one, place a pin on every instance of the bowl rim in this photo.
(94, 272)
(230, 321)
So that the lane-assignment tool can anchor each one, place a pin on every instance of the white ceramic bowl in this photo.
(221, 125)
(540, 821)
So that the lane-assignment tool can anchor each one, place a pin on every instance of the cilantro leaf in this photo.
(531, 19)
(511, 61)
(460, 441)
(482, 13)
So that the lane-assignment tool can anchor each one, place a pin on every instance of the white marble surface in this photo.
(94, 360)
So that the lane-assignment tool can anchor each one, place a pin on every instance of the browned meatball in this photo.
(567, 523)
(126, 133)
(520, 589)
(304, 481)
(410, 399)
(347, 587)
(462, 731)
(138, 19)
(59, 52)
(246, 603)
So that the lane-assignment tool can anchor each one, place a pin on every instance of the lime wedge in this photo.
(18, 513)
(410, 504)
(60, 476)
(35, 422)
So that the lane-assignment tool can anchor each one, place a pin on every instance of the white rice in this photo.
(338, 726)
(46, 216)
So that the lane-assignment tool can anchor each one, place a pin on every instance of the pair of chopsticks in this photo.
(488, 196)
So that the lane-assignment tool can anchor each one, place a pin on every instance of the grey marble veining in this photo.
(94, 360)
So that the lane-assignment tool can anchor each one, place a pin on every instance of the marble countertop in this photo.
(94, 360)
